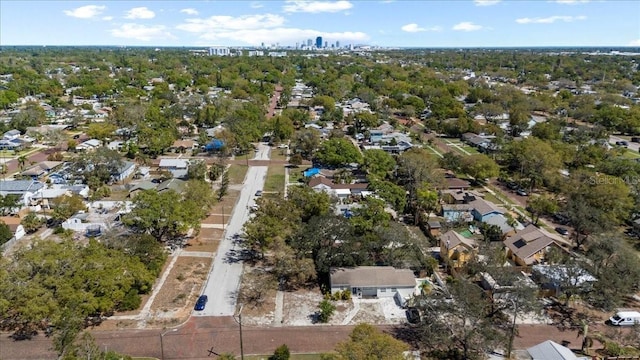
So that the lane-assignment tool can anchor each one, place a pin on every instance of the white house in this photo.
(14, 225)
(379, 281)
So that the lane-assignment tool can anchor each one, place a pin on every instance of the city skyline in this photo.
(472, 23)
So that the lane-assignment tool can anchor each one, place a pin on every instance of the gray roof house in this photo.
(550, 350)
(19, 187)
(380, 281)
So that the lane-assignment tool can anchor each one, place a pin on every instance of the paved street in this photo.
(630, 145)
(224, 279)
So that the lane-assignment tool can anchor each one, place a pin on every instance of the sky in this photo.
(388, 23)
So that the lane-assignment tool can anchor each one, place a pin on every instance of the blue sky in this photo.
(453, 23)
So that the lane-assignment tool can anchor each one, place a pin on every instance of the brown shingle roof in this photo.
(372, 276)
(528, 242)
(484, 207)
(12, 222)
(451, 239)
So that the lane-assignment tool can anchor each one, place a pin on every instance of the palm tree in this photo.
(22, 159)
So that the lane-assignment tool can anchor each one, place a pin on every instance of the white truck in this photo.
(625, 318)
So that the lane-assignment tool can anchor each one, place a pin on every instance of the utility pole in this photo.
(513, 328)
(239, 321)
(162, 343)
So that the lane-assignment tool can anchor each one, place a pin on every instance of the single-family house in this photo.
(124, 171)
(454, 183)
(176, 185)
(89, 145)
(375, 136)
(529, 246)
(459, 196)
(115, 145)
(141, 186)
(554, 278)
(183, 145)
(14, 225)
(41, 169)
(80, 223)
(503, 224)
(23, 188)
(177, 167)
(434, 227)
(457, 248)
(457, 212)
(550, 350)
(369, 281)
(11, 134)
(143, 172)
(342, 191)
(483, 210)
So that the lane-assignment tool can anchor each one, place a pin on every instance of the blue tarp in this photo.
(215, 144)
(311, 172)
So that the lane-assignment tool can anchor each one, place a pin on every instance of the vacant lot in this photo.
(237, 173)
(275, 179)
(180, 290)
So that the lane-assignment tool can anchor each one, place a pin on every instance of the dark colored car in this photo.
(413, 315)
(512, 185)
(635, 139)
(562, 231)
(259, 193)
(201, 303)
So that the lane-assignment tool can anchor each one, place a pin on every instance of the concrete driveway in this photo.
(223, 282)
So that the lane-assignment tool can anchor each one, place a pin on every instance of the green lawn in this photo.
(275, 179)
(295, 174)
(237, 173)
(630, 154)
(278, 154)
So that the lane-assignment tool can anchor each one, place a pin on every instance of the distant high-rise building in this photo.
(337, 44)
(326, 44)
(262, 45)
(319, 42)
(309, 42)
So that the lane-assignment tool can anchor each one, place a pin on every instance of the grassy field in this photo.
(237, 173)
(275, 179)
(278, 154)
(295, 174)
(630, 154)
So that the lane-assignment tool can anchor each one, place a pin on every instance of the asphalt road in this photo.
(223, 282)
(631, 145)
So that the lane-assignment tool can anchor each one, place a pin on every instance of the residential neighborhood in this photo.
(447, 204)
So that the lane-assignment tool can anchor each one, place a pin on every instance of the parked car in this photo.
(622, 143)
(635, 139)
(562, 231)
(522, 192)
(625, 318)
(512, 185)
(259, 193)
(413, 315)
(201, 303)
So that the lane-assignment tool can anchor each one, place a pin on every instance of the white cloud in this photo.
(571, 2)
(635, 42)
(257, 29)
(467, 26)
(413, 28)
(140, 13)
(294, 6)
(485, 2)
(107, 18)
(86, 12)
(550, 19)
(142, 32)
(256, 5)
(189, 11)
(221, 22)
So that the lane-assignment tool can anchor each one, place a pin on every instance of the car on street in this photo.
(622, 143)
(259, 193)
(201, 303)
(521, 192)
(562, 231)
(512, 185)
